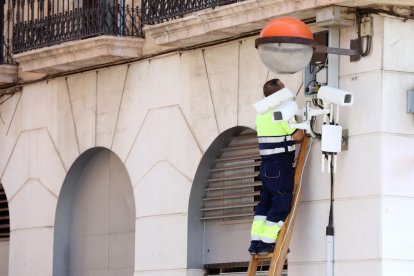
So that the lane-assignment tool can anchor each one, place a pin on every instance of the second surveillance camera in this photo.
(335, 96)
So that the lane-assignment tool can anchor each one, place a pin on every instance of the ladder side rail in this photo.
(282, 244)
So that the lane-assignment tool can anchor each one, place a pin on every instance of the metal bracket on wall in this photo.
(353, 52)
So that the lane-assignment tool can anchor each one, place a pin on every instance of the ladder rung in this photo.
(231, 196)
(4, 209)
(263, 257)
(4, 217)
(3, 200)
(229, 168)
(230, 206)
(228, 216)
(239, 157)
(2, 235)
(253, 184)
(238, 176)
(4, 226)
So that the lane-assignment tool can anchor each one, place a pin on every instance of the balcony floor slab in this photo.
(78, 54)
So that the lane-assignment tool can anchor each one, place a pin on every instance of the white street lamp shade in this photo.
(285, 58)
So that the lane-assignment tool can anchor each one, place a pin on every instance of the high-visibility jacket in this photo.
(273, 138)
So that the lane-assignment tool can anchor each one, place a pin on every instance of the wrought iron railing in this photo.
(78, 23)
(157, 11)
(6, 56)
(5, 50)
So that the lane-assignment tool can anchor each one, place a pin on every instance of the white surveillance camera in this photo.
(273, 100)
(335, 96)
(285, 112)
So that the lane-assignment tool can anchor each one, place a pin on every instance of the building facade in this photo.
(130, 154)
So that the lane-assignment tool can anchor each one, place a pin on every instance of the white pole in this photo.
(333, 80)
(330, 255)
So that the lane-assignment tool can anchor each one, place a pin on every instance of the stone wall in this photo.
(160, 115)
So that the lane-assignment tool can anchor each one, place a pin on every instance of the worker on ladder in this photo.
(277, 150)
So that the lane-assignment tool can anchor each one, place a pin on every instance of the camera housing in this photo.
(285, 112)
(274, 100)
(335, 96)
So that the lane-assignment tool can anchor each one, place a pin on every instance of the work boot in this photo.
(253, 247)
(265, 248)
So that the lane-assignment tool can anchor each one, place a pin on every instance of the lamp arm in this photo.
(337, 51)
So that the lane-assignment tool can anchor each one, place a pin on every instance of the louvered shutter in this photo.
(233, 188)
(4, 215)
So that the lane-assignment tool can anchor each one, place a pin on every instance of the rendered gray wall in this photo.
(4, 258)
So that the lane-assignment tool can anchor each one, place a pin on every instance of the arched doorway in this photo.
(225, 191)
(95, 218)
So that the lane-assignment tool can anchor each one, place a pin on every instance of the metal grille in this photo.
(6, 56)
(39, 23)
(157, 11)
(4, 215)
(233, 188)
(5, 50)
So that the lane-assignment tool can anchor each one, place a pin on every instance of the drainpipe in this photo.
(333, 81)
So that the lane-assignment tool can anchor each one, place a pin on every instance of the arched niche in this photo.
(95, 218)
(224, 193)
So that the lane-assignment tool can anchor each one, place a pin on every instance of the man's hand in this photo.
(298, 135)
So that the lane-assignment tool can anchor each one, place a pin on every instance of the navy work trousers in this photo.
(277, 176)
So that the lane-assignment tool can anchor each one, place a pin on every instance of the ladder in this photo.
(282, 244)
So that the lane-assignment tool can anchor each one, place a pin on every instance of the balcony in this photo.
(189, 22)
(158, 11)
(47, 41)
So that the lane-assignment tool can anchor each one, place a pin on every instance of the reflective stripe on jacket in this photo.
(273, 138)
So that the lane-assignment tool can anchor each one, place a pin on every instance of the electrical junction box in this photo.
(410, 101)
(331, 138)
